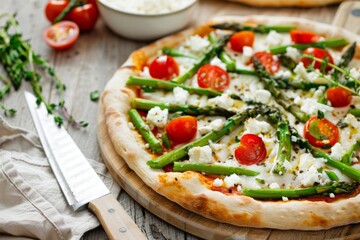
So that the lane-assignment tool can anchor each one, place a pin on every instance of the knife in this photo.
(80, 184)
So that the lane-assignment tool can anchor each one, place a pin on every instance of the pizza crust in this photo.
(189, 189)
(287, 3)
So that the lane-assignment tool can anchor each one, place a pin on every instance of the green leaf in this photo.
(95, 95)
(315, 131)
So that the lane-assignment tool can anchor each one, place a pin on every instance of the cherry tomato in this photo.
(251, 150)
(164, 67)
(338, 96)
(210, 76)
(169, 168)
(301, 36)
(271, 64)
(181, 129)
(61, 35)
(54, 7)
(319, 53)
(321, 132)
(85, 16)
(241, 39)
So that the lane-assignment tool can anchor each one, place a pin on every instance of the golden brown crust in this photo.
(190, 189)
(287, 3)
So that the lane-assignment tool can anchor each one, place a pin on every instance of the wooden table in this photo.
(90, 64)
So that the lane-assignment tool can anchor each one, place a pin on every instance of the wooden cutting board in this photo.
(348, 16)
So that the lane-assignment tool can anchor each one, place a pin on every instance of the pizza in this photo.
(288, 3)
(251, 121)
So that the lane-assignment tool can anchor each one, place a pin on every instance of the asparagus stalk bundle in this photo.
(273, 87)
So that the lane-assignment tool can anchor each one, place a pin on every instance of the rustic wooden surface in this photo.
(93, 60)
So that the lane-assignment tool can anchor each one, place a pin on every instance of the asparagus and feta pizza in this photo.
(252, 121)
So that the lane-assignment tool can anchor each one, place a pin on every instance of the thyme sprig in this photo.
(21, 62)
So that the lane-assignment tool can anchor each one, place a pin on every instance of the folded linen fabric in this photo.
(31, 202)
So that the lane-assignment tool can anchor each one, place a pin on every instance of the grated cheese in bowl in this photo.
(148, 6)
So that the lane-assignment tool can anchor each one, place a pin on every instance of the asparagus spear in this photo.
(299, 192)
(332, 176)
(212, 169)
(231, 65)
(347, 56)
(348, 154)
(355, 112)
(193, 110)
(284, 151)
(287, 62)
(273, 87)
(261, 28)
(161, 84)
(328, 43)
(213, 136)
(220, 43)
(176, 53)
(145, 131)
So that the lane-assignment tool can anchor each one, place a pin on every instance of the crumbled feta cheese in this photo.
(307, 161)
(223, 101)
(311, 106)
(274, 38)
(157, 117)
(309, 177)
(285, 199)
(247, 53)
(232, 180)
(200, 154)
(217, 182)
(262, 96)
(301, 73)
(131, 125)
(216, 124)
(293, 53)
(274, 185)
(298, 100)
(217, 62)
(352, 121)
(283, 73)
(220, 150)
(145, 72)
(255, 127)
(197, 43)
(180, 95)
(287, 165)
(331, 195)
(147, 145)
(355, 72)
(239, 188)
(337, 151)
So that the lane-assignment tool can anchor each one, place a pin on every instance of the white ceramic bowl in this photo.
(145, 27)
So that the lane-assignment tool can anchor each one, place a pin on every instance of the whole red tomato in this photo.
(85, 16)
(54, 7)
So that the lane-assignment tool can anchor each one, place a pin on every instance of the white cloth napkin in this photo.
(31, 202)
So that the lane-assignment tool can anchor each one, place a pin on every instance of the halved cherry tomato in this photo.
(54, 7)
(181, 129)
(211, 76)
(301, 36)
(271, 64)
(164, 67)
(251, 150)
(242, 39)
(85, 16)
(61, 35)
(321, 132)
(319, 53)
(338, 96)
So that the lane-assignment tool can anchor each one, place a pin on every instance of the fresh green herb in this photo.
(94, 95)
(21, 62)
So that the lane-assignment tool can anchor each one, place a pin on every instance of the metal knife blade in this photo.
(77, 179)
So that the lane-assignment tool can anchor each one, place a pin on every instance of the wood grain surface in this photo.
(91, 63)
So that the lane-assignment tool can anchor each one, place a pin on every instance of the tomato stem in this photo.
(71, 5)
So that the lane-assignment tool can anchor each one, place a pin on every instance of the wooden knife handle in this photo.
(114, 219)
